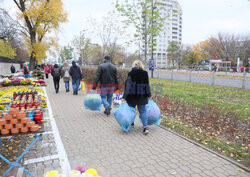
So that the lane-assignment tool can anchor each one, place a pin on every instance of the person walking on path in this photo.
(46, 71)
(26, 71)
(76, 74)
(65, 75)
(12, 69)
(137, 91)
(107, 75)
(242, 68)
(56, 73)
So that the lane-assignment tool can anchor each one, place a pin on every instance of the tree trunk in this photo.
(32, 61)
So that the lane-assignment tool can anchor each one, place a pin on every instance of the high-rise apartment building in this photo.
(172, 31)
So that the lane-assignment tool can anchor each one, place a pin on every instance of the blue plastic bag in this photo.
(125, 116)
(153, 113)
(93, 102)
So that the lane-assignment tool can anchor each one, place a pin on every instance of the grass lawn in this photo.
(215, 116)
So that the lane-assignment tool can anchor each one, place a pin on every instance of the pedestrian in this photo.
(242, 68)
(26, 71)
(76, 74)
(46, 70)
(65, 75)
(107, 76)
(137, 91)
(56, 73)
(12, 69)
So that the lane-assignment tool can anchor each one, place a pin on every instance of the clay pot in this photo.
(8, 126)
(21, 115)
(14, 130)
(19, 125)
(34, 128)
(2, 121)
(8, 116)
(24, 129)
(1, 127)
(30, 124)
(14, 116)
(14, 111)
(13, 121)
(24, 120)
(5, 132)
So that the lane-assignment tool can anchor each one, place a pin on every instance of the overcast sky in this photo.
(201, 18)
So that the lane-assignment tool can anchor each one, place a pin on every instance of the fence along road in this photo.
(204, 78)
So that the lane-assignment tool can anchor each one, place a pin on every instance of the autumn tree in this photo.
(145, 16)
(173, 53)
(192, 58)
(6, 50)
(39, 18)
(82, 45)
(66, 53)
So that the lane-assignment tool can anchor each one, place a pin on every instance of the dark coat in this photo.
(53, 72)
(75, 71)
(107, 75)
(137, 89)
(12, 69)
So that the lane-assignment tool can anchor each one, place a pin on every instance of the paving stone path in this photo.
(94, 140)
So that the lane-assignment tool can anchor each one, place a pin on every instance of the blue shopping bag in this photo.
(153, 113)
(93, 102)
(125, 116)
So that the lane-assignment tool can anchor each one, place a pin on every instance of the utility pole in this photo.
(152, 38)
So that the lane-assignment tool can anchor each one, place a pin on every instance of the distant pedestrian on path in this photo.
(65, 75)
(242, 68)
(56, 73)
(46, 71)
(76, 74)
(12, 69)
(137, 91)
(107, 76)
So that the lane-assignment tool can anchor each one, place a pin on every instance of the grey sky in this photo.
(201, 18)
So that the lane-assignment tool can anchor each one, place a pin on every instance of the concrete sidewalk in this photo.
(93, 140)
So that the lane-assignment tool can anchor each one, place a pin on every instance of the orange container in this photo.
(24, 129)
(34, 128)
(2, 121)
(14, 130)
(19, 125)
(5, 132)
(8, 126)
(8, 116)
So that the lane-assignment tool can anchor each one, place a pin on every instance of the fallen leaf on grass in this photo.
(241, 170)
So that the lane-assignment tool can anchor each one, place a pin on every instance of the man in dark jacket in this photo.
(107, 75)
(12, 69)
(76, 74)
(56, 73)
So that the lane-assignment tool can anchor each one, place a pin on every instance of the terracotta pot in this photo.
(14, 116)
(8, 126)
(2, 121)
(19, 125)
(24, 120)
(14, 130)
(34, 128)
(24, 129)
(21, 115)
(8, 116)
(1, 127)
(30, 124)
(13, 121)
(5, 132)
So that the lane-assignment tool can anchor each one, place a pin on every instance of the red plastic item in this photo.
(38, 116)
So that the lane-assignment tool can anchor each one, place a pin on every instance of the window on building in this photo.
(174, 32)
(174, 28)
(174, 37)
(174, 24)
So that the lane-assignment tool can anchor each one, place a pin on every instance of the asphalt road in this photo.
(227, 82)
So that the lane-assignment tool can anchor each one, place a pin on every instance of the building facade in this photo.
(172, 31)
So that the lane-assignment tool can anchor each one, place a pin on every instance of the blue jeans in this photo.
(143, 116)
(75, 84)
(106, 95)
(66, 85)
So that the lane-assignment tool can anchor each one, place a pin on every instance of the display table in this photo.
(38, 136)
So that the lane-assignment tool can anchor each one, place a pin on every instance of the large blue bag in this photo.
(125, 116)
(93, 102)
(153, 113)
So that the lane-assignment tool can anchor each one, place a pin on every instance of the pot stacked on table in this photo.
(16, 122)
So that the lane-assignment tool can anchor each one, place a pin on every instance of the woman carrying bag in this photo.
(65, 75)
(137, 91)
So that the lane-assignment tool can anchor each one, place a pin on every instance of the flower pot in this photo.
(2, 121)
(14, 130)
(5, 132)
(8, 126)
(1, 127)
(8, 116)
(34, 128)
(13, 121)
(19, 125)
(30, 123)
(24, 129)
(24, 120)
(21, 115)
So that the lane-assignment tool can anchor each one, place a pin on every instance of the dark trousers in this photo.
(47, 76)
(56, 83)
